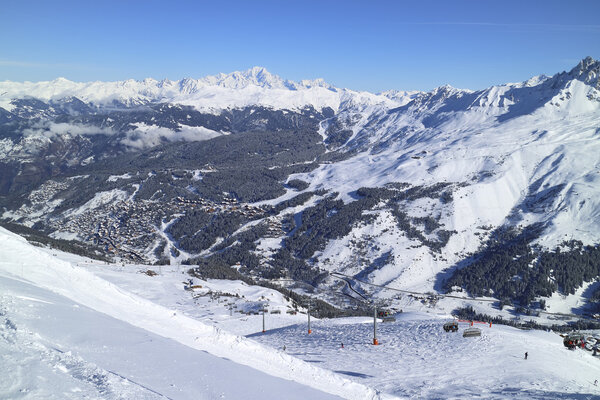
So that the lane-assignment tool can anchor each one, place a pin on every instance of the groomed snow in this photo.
(417, 359)
(54, 348)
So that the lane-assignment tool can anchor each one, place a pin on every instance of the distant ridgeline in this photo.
(509, 268)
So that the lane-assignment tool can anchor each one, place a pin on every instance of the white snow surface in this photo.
(52, 307)
(71, 328)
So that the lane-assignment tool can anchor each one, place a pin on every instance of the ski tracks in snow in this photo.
(45, 371)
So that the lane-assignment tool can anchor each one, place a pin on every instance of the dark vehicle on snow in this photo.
(451, 326)
(573, 340)
(385, 316)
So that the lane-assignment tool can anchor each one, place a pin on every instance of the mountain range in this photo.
(493, 192)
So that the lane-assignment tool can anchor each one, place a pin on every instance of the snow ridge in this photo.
(256, 86)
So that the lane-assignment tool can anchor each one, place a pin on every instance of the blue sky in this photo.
(364, 45)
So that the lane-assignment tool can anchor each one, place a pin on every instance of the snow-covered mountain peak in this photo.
(61, 80)
(442, 96)
(402, 97)
(446, 91)
(258, 86)
(588, 71)
(262, 77)
(255, 86)
(536, 80)
(319, 82)
(255, 76)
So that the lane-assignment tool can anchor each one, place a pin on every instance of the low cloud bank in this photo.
(51, 129)
(143, 136)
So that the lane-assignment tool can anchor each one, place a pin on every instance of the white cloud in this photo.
(145, 136)
(50, 129)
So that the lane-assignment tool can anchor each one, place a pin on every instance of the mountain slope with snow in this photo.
(519, 155)
(296, 180)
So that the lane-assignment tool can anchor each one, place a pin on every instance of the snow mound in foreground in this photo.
(32, 265)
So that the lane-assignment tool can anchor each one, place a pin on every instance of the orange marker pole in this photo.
(375, 342)
(308, 313)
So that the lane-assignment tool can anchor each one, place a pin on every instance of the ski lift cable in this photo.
(349, 284)
(342, 276)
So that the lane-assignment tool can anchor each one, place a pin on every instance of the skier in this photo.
(526, 355)
(284, 347)
(342, 345)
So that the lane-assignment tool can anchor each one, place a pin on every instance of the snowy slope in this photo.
(28, 273)
(54, 348)
(418, 360)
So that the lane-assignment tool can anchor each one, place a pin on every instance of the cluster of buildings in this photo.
(227, 205)
(123, 228)
(128, 229)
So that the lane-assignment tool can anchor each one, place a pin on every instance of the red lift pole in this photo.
(308, 313)
(375, 342)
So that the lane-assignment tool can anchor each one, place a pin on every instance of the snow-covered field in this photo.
(71, 329)
(417, 359)
(113, 332)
